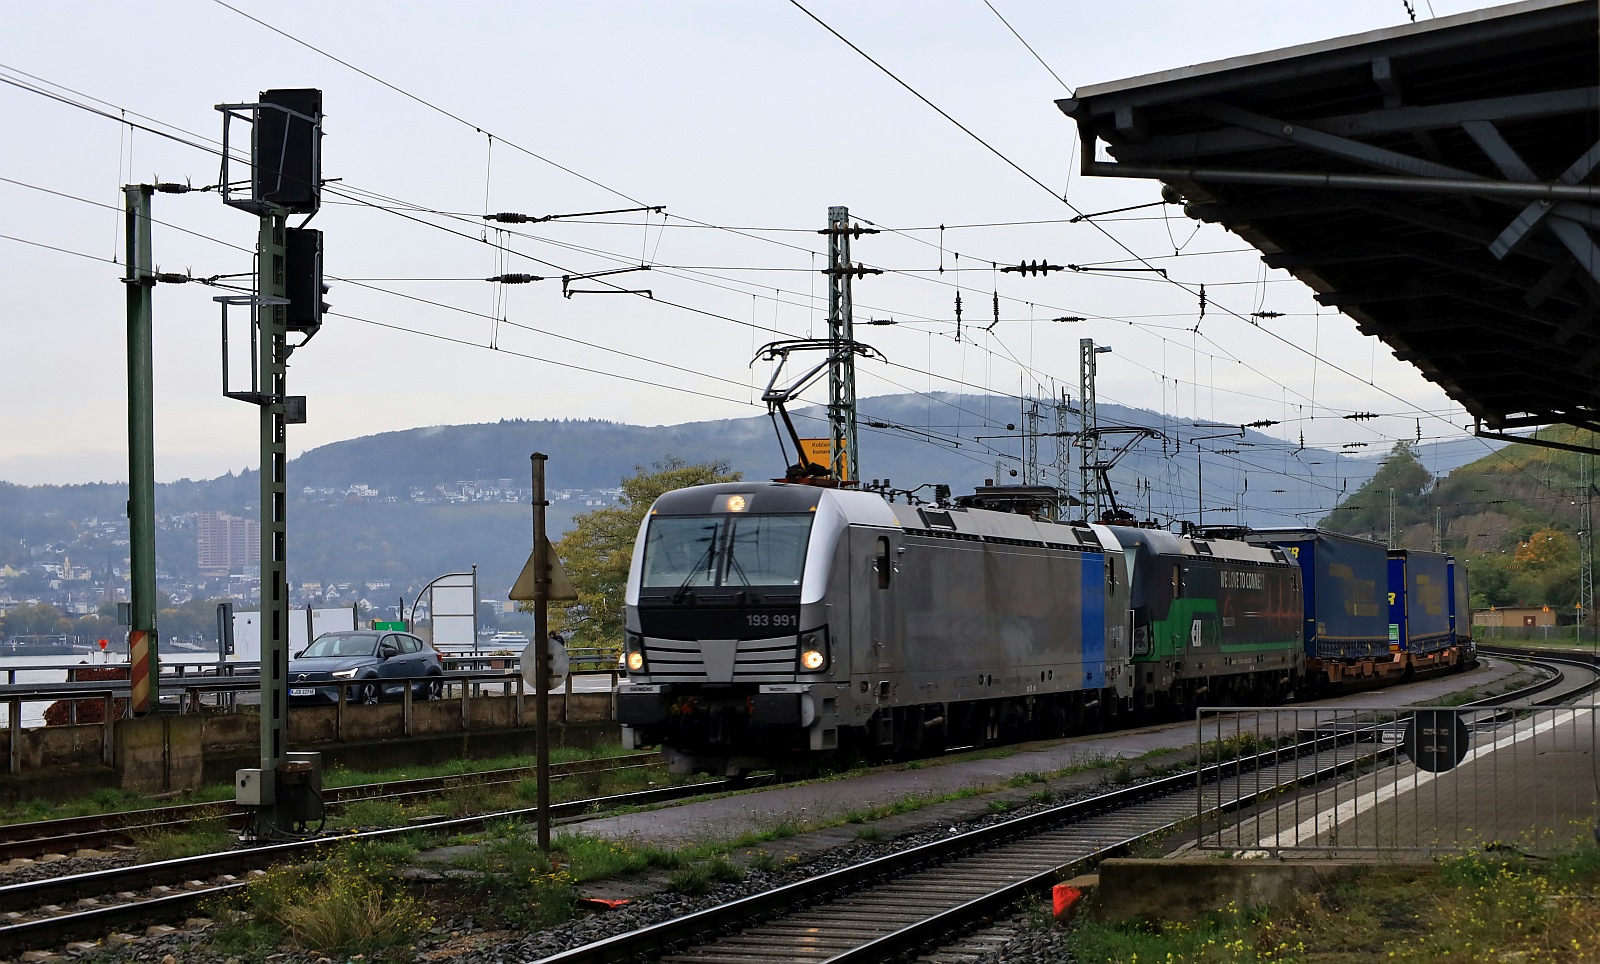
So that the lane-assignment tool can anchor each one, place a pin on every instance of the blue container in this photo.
(1420, 601)
(1345, 582)
(1460, 604)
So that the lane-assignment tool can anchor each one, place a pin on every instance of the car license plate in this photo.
(303, 691)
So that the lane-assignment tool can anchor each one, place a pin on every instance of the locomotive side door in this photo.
(874, 565)
(1119, 624)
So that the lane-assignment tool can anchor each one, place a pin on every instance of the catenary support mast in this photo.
(841, 333)
(143, 653)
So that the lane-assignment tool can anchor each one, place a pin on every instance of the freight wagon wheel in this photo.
(367, 695)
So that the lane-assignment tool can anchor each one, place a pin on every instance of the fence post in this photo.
(338, 718)
(107, 749)
(16, 734)
(405, 709)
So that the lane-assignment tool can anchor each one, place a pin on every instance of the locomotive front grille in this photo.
(721, 660)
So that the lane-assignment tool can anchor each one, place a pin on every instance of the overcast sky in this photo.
(745, 119)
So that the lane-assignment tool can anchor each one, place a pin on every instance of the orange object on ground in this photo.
(1065, 898)
(602, 903)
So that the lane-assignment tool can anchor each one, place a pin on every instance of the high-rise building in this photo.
(227, 543)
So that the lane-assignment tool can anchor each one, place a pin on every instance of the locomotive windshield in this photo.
(683, 552)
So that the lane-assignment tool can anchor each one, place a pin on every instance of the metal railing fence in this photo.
(221, 693)
(1417, 779)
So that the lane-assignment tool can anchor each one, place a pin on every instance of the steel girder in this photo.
(1430, 180)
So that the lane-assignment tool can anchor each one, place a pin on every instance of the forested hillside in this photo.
(1512, 515)
(399, 508)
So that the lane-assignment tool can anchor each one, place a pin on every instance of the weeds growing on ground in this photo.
(349, 902)
(1484, 906)
(204, 837)
(519, 886)
(764, 861)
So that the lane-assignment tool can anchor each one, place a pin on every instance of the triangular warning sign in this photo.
(557, 589)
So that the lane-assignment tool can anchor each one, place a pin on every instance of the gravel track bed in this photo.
(463, 939)
(41, 869)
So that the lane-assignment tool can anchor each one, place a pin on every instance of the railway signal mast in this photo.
(285, 178)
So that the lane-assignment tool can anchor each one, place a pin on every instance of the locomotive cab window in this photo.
(882, 562)
(683, 552)
(1177, 581)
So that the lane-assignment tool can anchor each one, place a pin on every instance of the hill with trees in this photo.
(1511, 516)
(379, 516)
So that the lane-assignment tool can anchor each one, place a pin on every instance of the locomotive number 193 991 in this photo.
(776, 620)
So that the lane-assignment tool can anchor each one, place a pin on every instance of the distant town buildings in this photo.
(227, 543)
(81, 572)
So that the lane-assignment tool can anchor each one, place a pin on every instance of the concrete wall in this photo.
(171, 753)
(1185, 890)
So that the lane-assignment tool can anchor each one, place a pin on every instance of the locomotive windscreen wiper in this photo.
(707, 559)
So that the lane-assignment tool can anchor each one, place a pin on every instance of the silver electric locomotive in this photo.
(770, 624)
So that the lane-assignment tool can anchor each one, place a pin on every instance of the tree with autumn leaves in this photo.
(597, 549)
(1541, 570)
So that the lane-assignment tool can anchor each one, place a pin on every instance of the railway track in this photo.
(914, 900)
(878, 909)
(99, 832)
(53, 911)
(1574, 673)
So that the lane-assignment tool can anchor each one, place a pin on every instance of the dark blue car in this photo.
(369, 664)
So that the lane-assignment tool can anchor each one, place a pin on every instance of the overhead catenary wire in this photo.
(422, 208)
(1061, 197)
(962, 382)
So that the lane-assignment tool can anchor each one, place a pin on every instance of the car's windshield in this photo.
(726, 550)
(342, 644)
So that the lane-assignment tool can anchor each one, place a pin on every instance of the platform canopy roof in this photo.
(1433, 181)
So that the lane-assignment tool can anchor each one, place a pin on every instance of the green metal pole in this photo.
(272, 287)
(541, 642)
(144, 657)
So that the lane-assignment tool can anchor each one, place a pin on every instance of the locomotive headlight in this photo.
(813, 651)
(635, 661)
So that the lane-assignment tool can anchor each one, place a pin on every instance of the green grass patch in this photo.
(1026, 778)
(764, 861)
(350, 902)
(344, 776)
(518, 886)
(371, 814)
(204, 837)
(1484, 906)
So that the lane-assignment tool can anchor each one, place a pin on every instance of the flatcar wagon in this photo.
(1421, 602)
